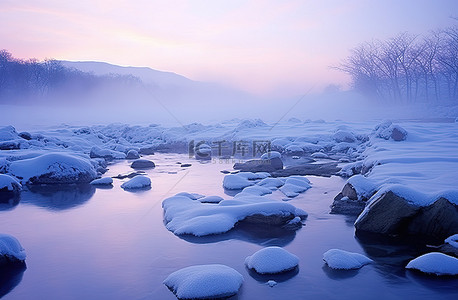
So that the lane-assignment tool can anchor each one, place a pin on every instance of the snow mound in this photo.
(253, 176)
(102, 181)
(183, 215)
(452, 240)
(319, 155)
(53, 168)
(294, 186)
(340, 259)
(435, 263)
(254, 190)
(97, 152)
(342, 136)
(138, 182)
(11, 248)
(236, 182)
(272, 260)
(270, 155)
(204, 282)
(8, 183)
(271, 183)
(211, 199)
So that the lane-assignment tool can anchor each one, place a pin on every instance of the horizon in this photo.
(263, 48)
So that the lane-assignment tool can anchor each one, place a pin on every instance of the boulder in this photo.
(132, 154)
(142, 164)
(390, 213)
(326, 170)
(260, 165)
(25, 135)
(398, 133)
(147, 150)
(97, 152)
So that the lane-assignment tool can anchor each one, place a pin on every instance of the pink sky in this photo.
(264, 47)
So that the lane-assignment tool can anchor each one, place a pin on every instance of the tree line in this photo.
(23, 80)
(407, 68)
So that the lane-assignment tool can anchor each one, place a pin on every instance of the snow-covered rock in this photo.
(142, 164)
(192, 196)
(319, 155)
(132, 154)
(10, 248)
(97, 152)
(138, 182)
(294, 186)
(102, 181)
(254, 190)
(260, 165)
(272, 260)
(186, 216)
(211, 199)
(342, 136)
(354, 195)
(53, 168)
(204, 282)
(396, 209)
(435, 263)
(271, 154)
(344, 260)
(272, 183)
(253, 176)
(236, 182)
(452, 240)
(294, 150)
(9, 184)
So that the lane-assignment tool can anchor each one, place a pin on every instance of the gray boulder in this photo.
(132, 154)
(142, 164)
(390, 213)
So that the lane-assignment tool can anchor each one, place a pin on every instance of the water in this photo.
(88, 243)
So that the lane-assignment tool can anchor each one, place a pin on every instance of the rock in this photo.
(25, 135)
(272, 260)
(398, 133)
(342, 136)
(102, 181)
(129, 175)
(10, 145)
(260, 165)
(354, 196)
(344, 260)
(10, 249)
(185, 165)
(435, 263)
(132, 154)
(97, 152)
(9, 188)
(346, 206)
(138, 182)
(142, 164)
(147, 150)
(326, 170)
(389, 213)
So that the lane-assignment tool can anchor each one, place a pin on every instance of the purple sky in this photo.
(265, 47)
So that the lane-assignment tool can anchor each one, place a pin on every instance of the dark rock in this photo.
(185, 165)
(349, 191)
(326, 170)
(147, 150)
(25, 135)
(394, 215)
(142, 164)
(398, 133)
(346, 206)
(225, 171)
(132, 154)
(260, 165)
(448, 249)
(10, 145)
(275, 220)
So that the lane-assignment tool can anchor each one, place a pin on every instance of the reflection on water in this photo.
(8, 201)
(58, 197)
(262, 235)
(280, 277)
(10, 276)
(335, 274)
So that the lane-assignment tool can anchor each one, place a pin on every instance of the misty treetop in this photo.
(407, 68)
(23, 81)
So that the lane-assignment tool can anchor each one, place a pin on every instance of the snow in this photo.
(452, 240)
(435, 263)
(236, 182)
(253, 176)
(272, 183)
(344, 260)
(271, 283)
(102, 181)
(106, 153)
(364, 188)
(319, 155)
(254, 190)
(138, 182)
(204, 282)
(186, 216)
(53, 168)
(272, 260)
(11, 248)
(211, 199)
(271, 155)
(9, 183)
(294, 186)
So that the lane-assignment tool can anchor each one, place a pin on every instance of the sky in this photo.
(264, 47)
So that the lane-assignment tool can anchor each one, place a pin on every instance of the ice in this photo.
(452, 240)
(340, 259)
(204, 282)
(272, 260)
(8, 183)
(103, 181)
(10, 248)
(435, 263)
(138, 182)
(53, 168)
(186, 216)
(236, 182)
